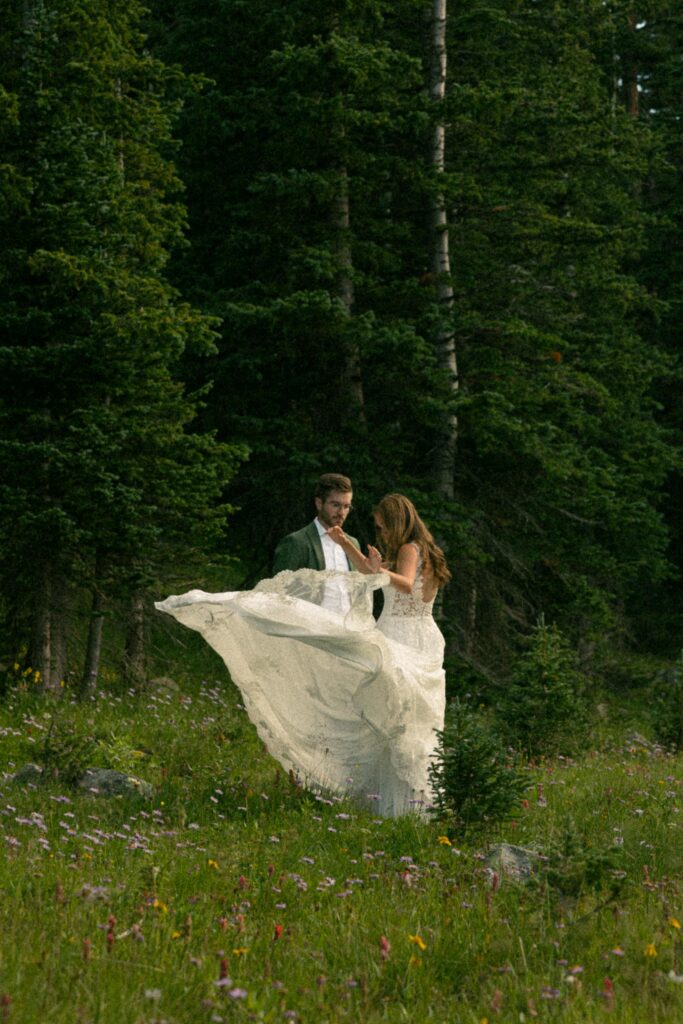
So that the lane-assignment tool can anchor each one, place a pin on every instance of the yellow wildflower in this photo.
(158, 905)
(175, 935)
(240, 951)
(415, 962)
(444, 840)
(419, 942)
(650, 949)
(213, 864)
(674, 922)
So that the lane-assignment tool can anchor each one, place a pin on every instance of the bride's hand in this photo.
(336, 534)
(374, 559)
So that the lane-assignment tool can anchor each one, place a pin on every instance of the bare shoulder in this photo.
(408, 554)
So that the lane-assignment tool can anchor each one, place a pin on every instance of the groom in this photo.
(312, 548)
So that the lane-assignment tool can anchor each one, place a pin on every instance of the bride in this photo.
(347, 704)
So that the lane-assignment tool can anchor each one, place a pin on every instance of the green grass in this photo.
(119, 910)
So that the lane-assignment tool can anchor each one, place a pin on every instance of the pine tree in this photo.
(99, 479)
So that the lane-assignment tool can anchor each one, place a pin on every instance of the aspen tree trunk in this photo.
(134, 657)
(41, 631)
(441, 259)
(93, 651)
(352, 375)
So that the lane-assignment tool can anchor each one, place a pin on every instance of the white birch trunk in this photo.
(352, 380)
(441, 259)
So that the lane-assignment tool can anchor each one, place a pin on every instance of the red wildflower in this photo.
(497, 1001)
(278, 932)
(608, 993)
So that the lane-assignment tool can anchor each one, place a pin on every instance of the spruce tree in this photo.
(100, 482)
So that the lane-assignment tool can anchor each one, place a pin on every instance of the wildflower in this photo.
(415, 961)
(650, 949)
(617, 951)
(608, 993)
(240, 951)
(675, 923)
(153, 993)
(384, 947)
(444, 841)
(278, 932)
(238, 993)
(223, 968)
(175, 935)
(86, 949)
(418, 941)
(213, 864)
(111, 924)
(497, 1000)
(676, 978)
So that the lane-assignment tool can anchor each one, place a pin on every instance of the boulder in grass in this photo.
(513, 862)
(108, 782)
(163, 683)
(28, 774)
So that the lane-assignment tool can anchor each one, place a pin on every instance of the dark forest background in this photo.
(243, 243)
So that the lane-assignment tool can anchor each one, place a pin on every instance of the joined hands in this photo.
(373, 560)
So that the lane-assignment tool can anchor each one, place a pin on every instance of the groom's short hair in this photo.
(329, 482)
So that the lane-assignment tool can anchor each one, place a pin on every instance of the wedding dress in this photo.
(349, 705)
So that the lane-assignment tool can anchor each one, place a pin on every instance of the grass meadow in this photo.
(234, 896)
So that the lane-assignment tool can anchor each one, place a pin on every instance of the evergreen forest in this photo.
(434, 247)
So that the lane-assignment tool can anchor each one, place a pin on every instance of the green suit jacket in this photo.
(303, 550)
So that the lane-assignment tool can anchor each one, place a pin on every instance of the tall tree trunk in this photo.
(59, 613)
(352, 375)
(39, 656)
(631, 71)
(91, 667)
(134, 657)
(444, 462)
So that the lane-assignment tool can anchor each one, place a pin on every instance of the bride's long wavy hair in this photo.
(402, 525)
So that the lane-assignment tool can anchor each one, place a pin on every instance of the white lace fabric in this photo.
(348, 704)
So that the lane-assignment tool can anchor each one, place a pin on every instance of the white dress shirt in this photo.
(335, 598)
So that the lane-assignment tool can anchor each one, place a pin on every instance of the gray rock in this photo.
(513, 861)
(28, 773)
(108, 782)
(163, 683)
(634, 739)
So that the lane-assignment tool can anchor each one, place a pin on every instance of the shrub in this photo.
(67, 751)
(543, 708)
(474, 777)
(668, 706)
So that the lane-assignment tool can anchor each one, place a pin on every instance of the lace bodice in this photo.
(408, 606)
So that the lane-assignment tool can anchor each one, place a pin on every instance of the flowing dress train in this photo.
(348, 704)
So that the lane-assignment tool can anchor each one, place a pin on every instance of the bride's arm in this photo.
(363, 564)
(406, 568)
